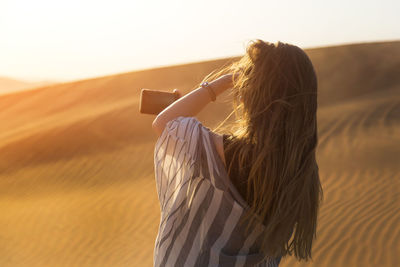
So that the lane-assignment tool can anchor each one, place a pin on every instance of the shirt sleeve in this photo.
(175, 153)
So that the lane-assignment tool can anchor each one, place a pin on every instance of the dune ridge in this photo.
(9, 85)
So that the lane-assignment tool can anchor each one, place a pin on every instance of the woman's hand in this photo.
(176, 91)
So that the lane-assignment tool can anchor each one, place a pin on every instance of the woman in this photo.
(250, 197)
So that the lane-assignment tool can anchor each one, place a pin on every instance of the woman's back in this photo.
(200, 207)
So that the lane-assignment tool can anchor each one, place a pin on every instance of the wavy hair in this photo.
(275, 135)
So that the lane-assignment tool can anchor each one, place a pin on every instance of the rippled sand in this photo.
(76, 164)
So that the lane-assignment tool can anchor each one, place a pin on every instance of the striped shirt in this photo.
(200, 207)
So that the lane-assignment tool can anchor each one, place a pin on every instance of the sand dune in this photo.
(76, 164)
(10, 85)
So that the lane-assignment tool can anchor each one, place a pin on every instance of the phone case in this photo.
(155, 101)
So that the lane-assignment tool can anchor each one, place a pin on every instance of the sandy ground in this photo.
(10, 85)
(76, 164)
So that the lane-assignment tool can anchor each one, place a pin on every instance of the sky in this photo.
(79, 39)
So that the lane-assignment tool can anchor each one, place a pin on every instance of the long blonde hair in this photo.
(275, 103)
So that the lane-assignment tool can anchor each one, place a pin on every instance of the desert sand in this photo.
(10, 85)
(76, 163)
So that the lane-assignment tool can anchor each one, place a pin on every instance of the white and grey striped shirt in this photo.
(200, 207)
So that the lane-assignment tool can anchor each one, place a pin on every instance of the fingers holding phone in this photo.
(178, 93)
(155, 101)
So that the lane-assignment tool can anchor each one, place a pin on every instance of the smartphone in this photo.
(155, 101)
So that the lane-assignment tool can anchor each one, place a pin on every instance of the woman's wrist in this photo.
(221, 84)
